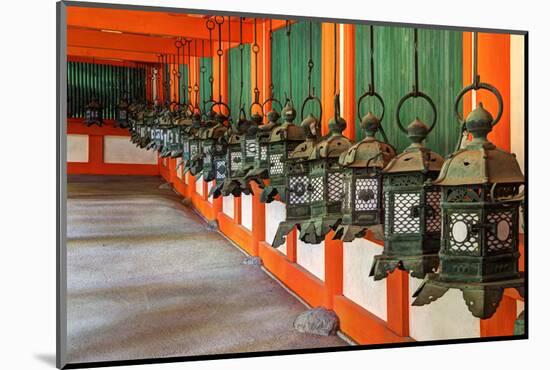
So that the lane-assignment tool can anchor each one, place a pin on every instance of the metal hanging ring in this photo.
(415, 94)
(222, 104)
(219, 19)
(274, 100)
(210, 25)
(315, 99)
(478, 86)
(179, 44)
(377, 96)
(256, 104)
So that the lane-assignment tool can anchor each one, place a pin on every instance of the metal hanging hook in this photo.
(415, 93)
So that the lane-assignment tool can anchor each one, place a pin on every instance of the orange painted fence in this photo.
(96, 164)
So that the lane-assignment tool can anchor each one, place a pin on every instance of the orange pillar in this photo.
(334, 255)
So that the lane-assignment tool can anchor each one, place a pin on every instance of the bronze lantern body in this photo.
(412, 225)
(480, 211)
(282, 141)
(297, 182)
(362, 207)
(326, 177)
(93, 114)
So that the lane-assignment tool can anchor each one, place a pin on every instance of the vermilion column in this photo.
(333, 248)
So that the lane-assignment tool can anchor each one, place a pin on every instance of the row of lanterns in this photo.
(453, 221)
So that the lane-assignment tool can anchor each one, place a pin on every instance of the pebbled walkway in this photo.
(146, 279)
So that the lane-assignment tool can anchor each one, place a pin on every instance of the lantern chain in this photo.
(371, 87)
(255, 50)
(241, 49)
(196, 85)
(185, 100)
(203, 71)
(210, 26)
(189, 89)
(415, 86)
(288, 31)
(310, 65)
(219, 21)
(271, 85)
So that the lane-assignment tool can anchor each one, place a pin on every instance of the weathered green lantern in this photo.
(122, 111)
(299, 189)
(480, 218)
(326, 177)
(194, 144)
(211, 137)
(234, 158)
(282, 141)
(412, 226)
(250, 149)
(93, 114)
(362, 206)
(259, 170)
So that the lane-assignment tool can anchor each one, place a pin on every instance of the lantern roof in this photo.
(480, 162)
(333, 144)
(288, 130)
(415, 158)
(93, 104)
(369, 152)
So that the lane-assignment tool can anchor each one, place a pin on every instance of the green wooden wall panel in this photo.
(184, 78)
(234, 81)
(439, 74)
(299, 57)
(205, 92)
(106, 82)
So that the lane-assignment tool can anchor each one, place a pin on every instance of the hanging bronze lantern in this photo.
(195, 150)
(259, 169)
(212, 142)
(326, 177)
(480, 187)
(122, 111)
(93, 114)
(234, 158)
(297, 181)
(412, 225)
(362, 207)
(282, 141)
(284, 138)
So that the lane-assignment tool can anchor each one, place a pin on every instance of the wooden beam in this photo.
(151, 23)
(79, 37)
(109, 54)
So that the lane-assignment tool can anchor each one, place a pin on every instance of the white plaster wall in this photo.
(517, 103)
(209, 185)
(119, 149)
(358, 285)
(311, 257)
(164, 161)
(199, 186)
(520, 306)
(446, 318)
(187, 178)
(229, 206)
(517, 106)
(77, 148)
(179, 172)
(246, 211)
(275, 212)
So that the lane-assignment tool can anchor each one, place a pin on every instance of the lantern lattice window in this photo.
(366, 194)
(335, 186)
(433, 221)
(404, 219)
(299, 193)
(461, 239)
(276, 165)
(500, 237)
